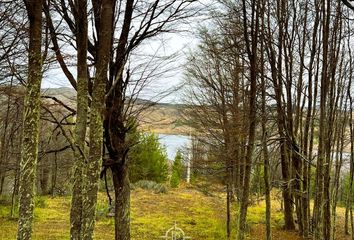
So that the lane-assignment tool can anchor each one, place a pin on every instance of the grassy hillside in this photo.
(200, 215)
(163, 118)
(159, 118)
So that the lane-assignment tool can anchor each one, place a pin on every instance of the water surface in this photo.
(173, 143)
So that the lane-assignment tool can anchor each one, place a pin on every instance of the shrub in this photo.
(177, 170)
(151, 186)
(175, 179)
(40, 202)
(148, 159)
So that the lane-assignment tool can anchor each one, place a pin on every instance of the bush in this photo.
(177, 170)
(151, 186)
(148, 160)
(40, 202)
(175, 179)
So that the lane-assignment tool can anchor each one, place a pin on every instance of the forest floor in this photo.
(198, 211)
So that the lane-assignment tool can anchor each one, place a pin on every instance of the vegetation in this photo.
(268, 100)
(177, 170)
(201, 216)
(148, 159)
(151, 185)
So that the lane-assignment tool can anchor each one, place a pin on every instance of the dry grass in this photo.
(164, 119)
(200, 216)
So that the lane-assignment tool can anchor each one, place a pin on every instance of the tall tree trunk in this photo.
(81, 121)
(29, 149)
(307, 133)
(318, 202)
(338, 165)
(266, 167)
(96, 118)
(349, 191)
(276, 64)
(251, 46)
(115, 130)
(3, 145)
(349, 197)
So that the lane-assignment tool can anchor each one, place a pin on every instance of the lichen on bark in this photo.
(29, 148)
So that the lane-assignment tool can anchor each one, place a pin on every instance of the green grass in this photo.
(201, 216)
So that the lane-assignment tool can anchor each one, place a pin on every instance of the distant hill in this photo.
(159, 118)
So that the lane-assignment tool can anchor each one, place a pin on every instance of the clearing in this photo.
(200, 214)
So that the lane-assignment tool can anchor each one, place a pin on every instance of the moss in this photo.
(201, 217)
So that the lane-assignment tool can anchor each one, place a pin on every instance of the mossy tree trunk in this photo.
(29, 149)
(96, 116)
(81, 120)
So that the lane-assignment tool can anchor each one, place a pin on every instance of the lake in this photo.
(173, 142)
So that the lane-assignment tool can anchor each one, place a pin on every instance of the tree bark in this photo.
(81, 121)
(44, 180)
(276, 64)
(266, 167)
(122, 203)
(251, 46)
(29, 149)
(96, 118)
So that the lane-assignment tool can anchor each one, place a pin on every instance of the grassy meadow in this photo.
(200, 213)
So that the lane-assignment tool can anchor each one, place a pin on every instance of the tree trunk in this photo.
(349, 199)
(44, 179)
(228, 211)
(54, 174)
(267, 186)
(29, 150)
(122, 203)
(2, 181)
(81, 121)
(96, 119)
(13, 195)
(276, 64)
(338, 165)
(3, 146)
(321, 216)
(266, 167)
(251, 45)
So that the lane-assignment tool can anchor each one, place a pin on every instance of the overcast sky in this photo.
(179, 44)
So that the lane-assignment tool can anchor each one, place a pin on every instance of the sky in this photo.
(177, 44)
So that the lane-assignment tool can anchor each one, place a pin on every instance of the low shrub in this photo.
(151, 186)
(40, 202)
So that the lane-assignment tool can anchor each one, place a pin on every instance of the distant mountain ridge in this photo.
(160, 117)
